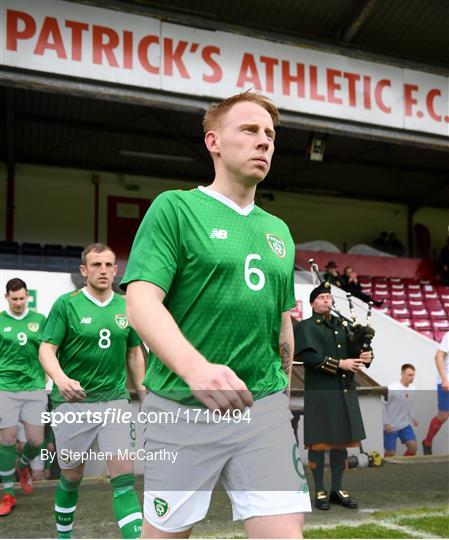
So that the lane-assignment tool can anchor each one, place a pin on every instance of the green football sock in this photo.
(28, 454)
(65, 505)
(316, 464)
(337, 462)
(8, 467)
(127, 509)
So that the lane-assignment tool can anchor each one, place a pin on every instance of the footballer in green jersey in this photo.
(210, 285)
(228, 275)
(92, 338)
(22, 394)
(87, 347)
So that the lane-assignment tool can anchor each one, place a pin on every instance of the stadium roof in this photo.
(414, 31)
(103, 133)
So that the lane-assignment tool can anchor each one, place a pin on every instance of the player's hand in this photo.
(366, 357)
(70, 390)
(445, 385)
(415, 422)
(388, 428)
(351, 364)
(218, 387)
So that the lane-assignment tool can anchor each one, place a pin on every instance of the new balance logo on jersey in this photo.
(221, 234)
(7, 329)
(86, 320)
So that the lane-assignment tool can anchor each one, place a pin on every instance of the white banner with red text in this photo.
(94, 43)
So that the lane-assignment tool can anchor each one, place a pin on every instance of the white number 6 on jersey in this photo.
(256, 272)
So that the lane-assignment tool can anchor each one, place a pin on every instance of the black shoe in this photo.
(342, 497)
(321, 500)
(427, 450)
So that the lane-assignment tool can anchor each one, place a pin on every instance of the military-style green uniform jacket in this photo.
(331, 408)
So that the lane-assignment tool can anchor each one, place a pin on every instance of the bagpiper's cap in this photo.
(323, 288)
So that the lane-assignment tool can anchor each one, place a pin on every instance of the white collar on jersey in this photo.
(227, 201)
(95, 300)
(18, 317)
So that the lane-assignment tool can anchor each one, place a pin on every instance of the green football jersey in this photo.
(228, 275)
(92, 339)
(20, 369)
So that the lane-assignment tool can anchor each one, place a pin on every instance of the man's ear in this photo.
(212, 142)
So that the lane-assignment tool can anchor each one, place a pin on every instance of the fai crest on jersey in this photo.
(276, 244)
(160, 507)
(33, 326)
(121, 320)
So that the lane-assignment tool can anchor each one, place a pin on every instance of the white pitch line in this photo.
(418, 533)
(388, 523)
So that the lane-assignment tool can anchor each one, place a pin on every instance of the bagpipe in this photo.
(359, 335)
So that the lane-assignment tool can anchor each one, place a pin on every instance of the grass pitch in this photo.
(395, 501)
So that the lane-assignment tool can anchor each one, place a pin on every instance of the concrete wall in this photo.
(56, 205)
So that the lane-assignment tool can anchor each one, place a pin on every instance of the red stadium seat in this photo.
(414, 295)
(401, 313)
(380, 286)
(421, 324)
(433, 303)
(413, 287)
(416, 304)
(437, 314)
(397, 287)
(381, 294)
(441, 325)
(419, 313)
(398, 303)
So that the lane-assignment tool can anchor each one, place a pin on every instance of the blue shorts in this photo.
(405, 434)
(443, 399)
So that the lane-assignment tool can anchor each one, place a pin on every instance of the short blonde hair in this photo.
(215, 112)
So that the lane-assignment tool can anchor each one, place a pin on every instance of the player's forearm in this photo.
(157, 328)
(286, 346)
(439, 362)
(136, 369)
(50, 362)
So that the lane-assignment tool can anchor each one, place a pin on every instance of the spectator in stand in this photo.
(398, 413)
(395, 246)
(443, 262)
(350, 283)
(332, 275)
(381, 243)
